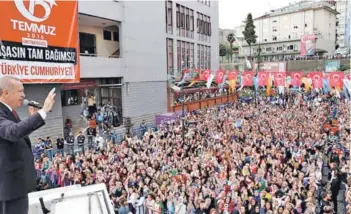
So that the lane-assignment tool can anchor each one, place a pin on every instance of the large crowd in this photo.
(287, 156)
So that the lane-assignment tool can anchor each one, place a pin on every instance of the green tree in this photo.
(231, 39)
(249, 32)
(222, 50)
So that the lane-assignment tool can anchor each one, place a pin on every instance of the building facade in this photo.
(127, 49)
(280, 31)
(343, 26)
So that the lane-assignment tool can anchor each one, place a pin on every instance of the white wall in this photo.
(104, 48)
(94, 67)
(143, 38)
(105, 9)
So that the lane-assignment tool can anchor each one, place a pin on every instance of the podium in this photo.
(76, 199)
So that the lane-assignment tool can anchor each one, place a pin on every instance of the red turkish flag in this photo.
(219, 76)
(296, 78)
(248, 78)
(335, 78)
(279, 78)
(232, 75)
(263, 78)
(205, 75)
(317, 79)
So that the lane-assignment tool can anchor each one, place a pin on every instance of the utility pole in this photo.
(257, 69)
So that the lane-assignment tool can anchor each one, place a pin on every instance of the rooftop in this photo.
(300, 6)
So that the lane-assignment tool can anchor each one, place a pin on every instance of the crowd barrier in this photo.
(90, 144)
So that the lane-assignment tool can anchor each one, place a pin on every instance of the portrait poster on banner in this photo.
(39, 41)
(308, 45)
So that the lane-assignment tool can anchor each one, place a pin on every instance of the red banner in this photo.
(279, 78)
(263, 78)
(232, 75)
(348, 76)
(219, 76)
(308, 45)
(296, 78)
(248, 78)
(317, 79)
(336, 79)
(204, 75)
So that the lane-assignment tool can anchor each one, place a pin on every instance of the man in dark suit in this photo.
(17, 172)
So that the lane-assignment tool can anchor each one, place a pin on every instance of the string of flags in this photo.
(315, 79)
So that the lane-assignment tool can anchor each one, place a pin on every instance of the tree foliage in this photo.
(231, 39)
(222, 50)
(249, 32)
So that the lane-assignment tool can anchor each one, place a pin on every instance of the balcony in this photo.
(99, 47)
(108, 9)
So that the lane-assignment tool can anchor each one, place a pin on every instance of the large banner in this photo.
(308, 45)
(332, 65)
(39, 40)
(271, 66)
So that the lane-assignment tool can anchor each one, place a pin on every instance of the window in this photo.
(169, 17)
(274, 21)
(268, 49)
(187, 20)
(170, 54)
(178, 16)
(274, 29)
(280, 48)
(305, 24)
(191, 20)
(209, 27)
(116, 35)
(198, 22)
(192, 54)
(290, 47)
(184, 62)
(182, 17)
(202, 25)
(295, 27)
(198, 56)
(179, 53)
(189, 62)
(201, 56)
(87, 43)
(107, 35)
(274, 38)
(70, 97)
(208, 57)
(205, 57)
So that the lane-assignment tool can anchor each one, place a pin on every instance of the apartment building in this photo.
(127, 49)
(279, 32)
(343, 26)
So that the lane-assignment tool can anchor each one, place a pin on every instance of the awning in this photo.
(82, 85)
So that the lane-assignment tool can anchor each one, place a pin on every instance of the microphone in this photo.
(32, 103)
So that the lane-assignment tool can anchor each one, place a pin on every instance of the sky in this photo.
(233, 12)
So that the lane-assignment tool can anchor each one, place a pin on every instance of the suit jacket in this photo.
(17, 172)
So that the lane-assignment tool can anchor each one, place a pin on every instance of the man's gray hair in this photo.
(6, 83)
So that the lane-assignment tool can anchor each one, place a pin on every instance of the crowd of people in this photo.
(196, 95)
(271, 157)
